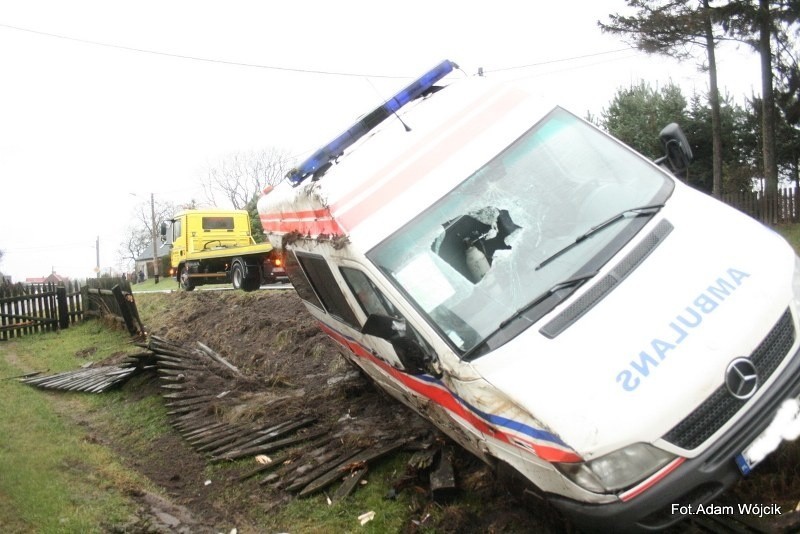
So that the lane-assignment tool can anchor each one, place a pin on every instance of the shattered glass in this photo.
(470, 260)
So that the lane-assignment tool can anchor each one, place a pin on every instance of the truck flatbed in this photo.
(227, 251)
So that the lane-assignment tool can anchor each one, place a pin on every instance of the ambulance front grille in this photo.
(721, 406)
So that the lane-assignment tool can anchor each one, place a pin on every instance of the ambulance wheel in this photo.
(184, 280)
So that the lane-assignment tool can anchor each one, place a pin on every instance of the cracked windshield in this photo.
(469, 262)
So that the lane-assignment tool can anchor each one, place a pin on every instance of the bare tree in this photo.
(164, 211)
(241, 175)
(136, 243)
(138, 239)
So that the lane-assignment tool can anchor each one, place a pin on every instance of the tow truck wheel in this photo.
(251, 284)
(184, 280)
(237, 275)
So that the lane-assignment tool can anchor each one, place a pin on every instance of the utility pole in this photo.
(97, 251)
(155, 250)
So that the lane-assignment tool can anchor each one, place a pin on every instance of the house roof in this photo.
(52, 277)
(162, 251)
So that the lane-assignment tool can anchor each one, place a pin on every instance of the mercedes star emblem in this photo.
(741, 378)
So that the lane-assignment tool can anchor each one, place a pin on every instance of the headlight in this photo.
(617, 470)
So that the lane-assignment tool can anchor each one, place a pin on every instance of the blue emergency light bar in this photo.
(322, 157)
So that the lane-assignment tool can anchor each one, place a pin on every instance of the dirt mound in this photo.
(291, 369)
(287, 362)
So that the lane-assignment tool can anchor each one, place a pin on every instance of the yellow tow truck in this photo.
(211, 246)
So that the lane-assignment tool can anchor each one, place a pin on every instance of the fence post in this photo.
(124, 309)
(63, 310)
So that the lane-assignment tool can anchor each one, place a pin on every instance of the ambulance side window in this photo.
(325, 287)
(300, 280)
(368, 296)
(413, 351)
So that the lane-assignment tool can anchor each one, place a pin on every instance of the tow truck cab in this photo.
(548, 297)
(213, 246)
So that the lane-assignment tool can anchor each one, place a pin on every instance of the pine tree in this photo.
(677, 28)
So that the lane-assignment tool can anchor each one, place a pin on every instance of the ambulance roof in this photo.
(400, 168)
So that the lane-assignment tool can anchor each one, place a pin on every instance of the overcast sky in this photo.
(104, 102)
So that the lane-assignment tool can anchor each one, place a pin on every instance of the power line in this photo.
(560, 60)
(567, 69)
(198, 58)
(49, 247)
(287, 69)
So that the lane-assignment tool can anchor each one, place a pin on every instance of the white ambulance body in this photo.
(548, 297)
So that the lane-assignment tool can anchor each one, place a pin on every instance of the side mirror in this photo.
(381, 326)
(415, 358)
(163, 232)
(677, 152)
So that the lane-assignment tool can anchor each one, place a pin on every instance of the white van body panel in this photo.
(631, 366)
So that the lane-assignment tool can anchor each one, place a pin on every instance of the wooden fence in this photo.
(112, 297)
(783, 208)
(31, 308)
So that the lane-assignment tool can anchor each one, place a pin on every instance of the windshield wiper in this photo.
(636, 212)
(569, 283)
(564, 284)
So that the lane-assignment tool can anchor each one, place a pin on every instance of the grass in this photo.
(164, 284)
(313, 514)
(54, 477)
(168, 284)
(790, 232)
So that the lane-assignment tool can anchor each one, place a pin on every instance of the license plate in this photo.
(785, 426)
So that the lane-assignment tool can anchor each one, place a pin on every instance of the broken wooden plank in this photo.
(193, 421)
(350, 483)
(272, 446)
(442, 479)
(422, 460)
(363, 457)
(190, 401)
(224, 435)
(165, 357)
(184, 394)
(163, 371)
(125, 304)
(265, 435)
(274, 463)
(207, 441)
(26, 375)
(303, 475)
(181, 366)
(212, 354)
(203, 428)
(322, 477)
(93, 380)
(272, 477)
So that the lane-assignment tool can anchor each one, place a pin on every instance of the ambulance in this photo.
(556, 303)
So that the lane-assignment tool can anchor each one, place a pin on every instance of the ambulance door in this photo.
(373, 302)
(430, 392)
(318, 282)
